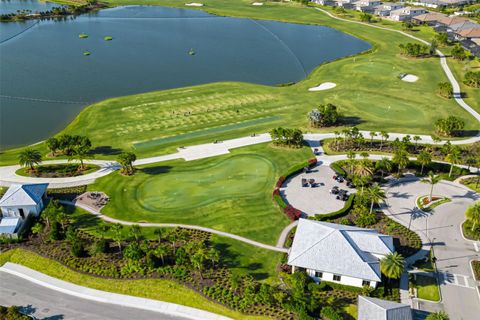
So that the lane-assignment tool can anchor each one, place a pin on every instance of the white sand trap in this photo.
(323, 86)
(257, 4)
(410, 78)
(194, 4)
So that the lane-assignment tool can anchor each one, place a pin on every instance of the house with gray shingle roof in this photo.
(20, 201)
(338, 253)
(377, 309)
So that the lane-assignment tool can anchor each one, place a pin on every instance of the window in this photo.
(336, 277)
(22, 214)
(318, 274)
(365, 283)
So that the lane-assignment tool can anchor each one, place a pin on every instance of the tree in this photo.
(413, 49)
(454, 157)
(442, 38)
(433, 47)
(126, 160)
(287, 137)
(29, 158)
(53, 145)
(400, 158)
(366, 17)
(133, 251)
(325, 116)
(161, 251)
(424, 158)
(431, 179)
(213, 256)
(198, 260)
(449, 126)
(351, 159)
(173, 238)
(118, 235)
(159, 233)
(385, 137)
(445, 90)
(392, 265)
(473, 214)
(458, 53)
(439, 315)
(375, 194)
(384, 165)
(373, 134)
(407, 25)
(80, 154)
(136, 232)
(416, 139)
(472, 79)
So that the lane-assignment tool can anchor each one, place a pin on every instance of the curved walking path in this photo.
(110, 299)
(443, 62)
(278, 248)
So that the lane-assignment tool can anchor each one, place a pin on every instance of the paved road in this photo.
(49, 304)
(441, 229)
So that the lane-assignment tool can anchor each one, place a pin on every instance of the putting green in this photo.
(238, 176)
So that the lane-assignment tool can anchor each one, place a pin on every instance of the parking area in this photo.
(314, 198)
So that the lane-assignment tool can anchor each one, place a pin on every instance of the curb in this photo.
(108, 297)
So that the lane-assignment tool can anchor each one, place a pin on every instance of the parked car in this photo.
(350, 184)
(334, 190)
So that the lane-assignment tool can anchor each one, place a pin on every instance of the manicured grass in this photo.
(472, 183)
(239, 257)
(57, 170)
(469, 233)
(476, 269)
(231, 193)
(368, 93)
(427, 288)
(163, 290)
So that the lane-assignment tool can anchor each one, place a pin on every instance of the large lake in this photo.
(45, 79)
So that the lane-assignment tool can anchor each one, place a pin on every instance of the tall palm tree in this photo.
(439, 315)
(473, 214)
(375, 194)
(159, 233)
(416, 139)
(135, 231)
(453, 158)
(161, 251)
(373, 134)
(198, 260)
(29, 158)
(80, 154)
(351, 159)
(384, 165)
(384, 136)
(400, 158)
(392, 265)
(118, 235)
(424, 158)
(431, 179)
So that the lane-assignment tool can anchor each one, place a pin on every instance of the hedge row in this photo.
(336, 214)
(290, 211)
(338, 169)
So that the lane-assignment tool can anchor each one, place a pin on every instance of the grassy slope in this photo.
(148, 195)
(239, 257)
(368, 92)
(164, 290)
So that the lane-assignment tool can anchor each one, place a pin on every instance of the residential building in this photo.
(377, 309)
(440, 3)
(324, 2)
(18, 203)
(338, 253)
(406, 14)
(366, 5)
(430, 18)
(385, 8)
(463, 25)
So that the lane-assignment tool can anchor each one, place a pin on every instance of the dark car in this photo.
(334, 190)
(350, 184)
(340, 179)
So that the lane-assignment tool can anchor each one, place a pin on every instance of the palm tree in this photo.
(453, 158)
(159, 233)
(439, 315)
(424, 158)
(384, 165)
(198, 260)
(392, 265)
(29, 158)
(373, 134)
(416, 139)
(401, 159)
(117, 235)
(135, 231)
(375, 194)
(473, 214)
(80, 154)
(385, 136)
(161, 251)
(213, 256)
(351, 159)
(431, 179)
(126, 159)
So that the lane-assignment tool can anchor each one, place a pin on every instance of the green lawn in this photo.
(427, 288)
(368, 93)
(163, 290)
(231, 193)
(472, 183)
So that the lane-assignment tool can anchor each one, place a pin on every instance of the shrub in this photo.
(472, 79)
(336, 214)
(292, 212)
(78, 249)
(338, 169)
(100, 246)
(366, 219)
(55, 231)
(445, 90)
(329, 313)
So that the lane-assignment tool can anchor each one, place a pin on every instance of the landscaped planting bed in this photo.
(469, 233)
(473, 183)
(57, 170)
(425, 204)
(476, 269)
(427, 287)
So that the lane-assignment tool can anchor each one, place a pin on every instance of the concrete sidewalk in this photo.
(107, 297)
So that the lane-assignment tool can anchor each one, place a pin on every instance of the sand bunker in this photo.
(409, 78)
(323, 86)
(257, 4)
(194, 4)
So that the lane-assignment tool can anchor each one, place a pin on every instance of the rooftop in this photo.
(378, 309)
(339, 249)
(23, 194)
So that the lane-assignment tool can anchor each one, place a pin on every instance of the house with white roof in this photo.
(20, 201)
(378, 309)
(406, 14)
(338, 253)
(366, 5)
(385, 8)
